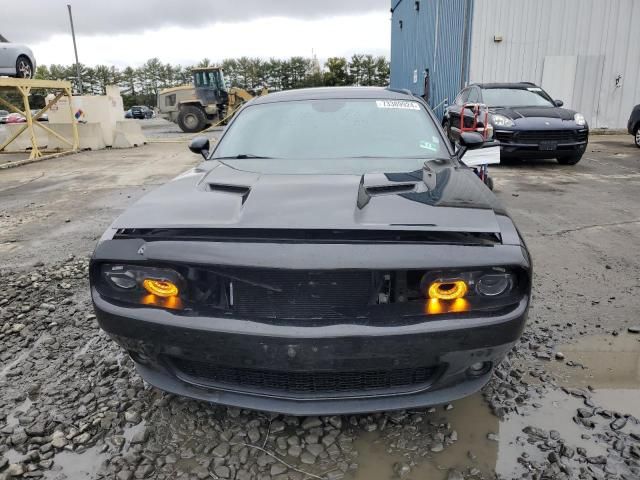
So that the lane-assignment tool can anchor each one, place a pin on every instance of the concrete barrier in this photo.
(128, 134)
(90, 134)
(23, 142)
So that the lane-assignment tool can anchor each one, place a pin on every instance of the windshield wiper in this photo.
(240, 156)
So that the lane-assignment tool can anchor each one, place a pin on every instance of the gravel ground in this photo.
(565, 403)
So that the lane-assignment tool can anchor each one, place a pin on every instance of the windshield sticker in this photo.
(399, 104)
(534, 89)
(428, 146)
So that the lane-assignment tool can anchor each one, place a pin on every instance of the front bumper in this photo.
(512, 146)
(159, 340)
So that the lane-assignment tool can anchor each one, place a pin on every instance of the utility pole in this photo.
(75, 49)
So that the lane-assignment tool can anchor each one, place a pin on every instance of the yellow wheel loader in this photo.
(208, 101)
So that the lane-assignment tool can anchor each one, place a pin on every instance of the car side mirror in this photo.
(200, 145)
(471, 140)
(558, 103)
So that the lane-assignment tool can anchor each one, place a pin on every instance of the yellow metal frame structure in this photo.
(24, 87)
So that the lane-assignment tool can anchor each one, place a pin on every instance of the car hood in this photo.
(441, 197)
(517, 113)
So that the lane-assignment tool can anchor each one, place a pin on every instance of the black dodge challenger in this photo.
(525, 120)
(331, 254)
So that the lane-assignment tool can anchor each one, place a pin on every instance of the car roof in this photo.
(514, 85)
(320, 93)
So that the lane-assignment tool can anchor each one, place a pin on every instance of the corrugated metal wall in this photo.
(601, 37)
(432, 36)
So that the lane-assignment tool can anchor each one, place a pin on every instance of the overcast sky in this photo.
(128, 32)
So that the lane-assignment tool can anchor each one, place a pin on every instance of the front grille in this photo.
(292, 294)
(208, 374)
(537, 136)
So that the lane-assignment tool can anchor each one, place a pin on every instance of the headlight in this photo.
(462, 291)
(142, 285)
(501, 121)
(579, 119)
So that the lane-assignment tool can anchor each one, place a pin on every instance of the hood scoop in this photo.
(373, 185)
(239, 190)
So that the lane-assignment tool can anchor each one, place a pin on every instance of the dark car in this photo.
(525, 120)
(331, 254)
(634, 125)
(141, 112)
(3, 116)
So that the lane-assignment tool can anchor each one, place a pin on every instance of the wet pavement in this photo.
(564, 404)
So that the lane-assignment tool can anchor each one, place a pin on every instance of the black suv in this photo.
(141, 111)
(524, 119)
(634, 124)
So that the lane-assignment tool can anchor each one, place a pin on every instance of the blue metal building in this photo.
(584, 52)
(430, 48)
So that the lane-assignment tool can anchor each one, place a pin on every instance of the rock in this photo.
(277, 427)
(3, 462)
(221, 450)
(599, 460)
(58, 439)
(307, 458)
(35, 430)
(543, 356)
(559, 356)
(277, 469)
(455, 475)
(143, 471)
(82, 438)
(585, 413)
(140, 436)
(311, 422)
(535, 432)
(634, 329)
(295, 450)
(493, 437)
(254, 435)
(438, 447)
(14, 470)
(124, 475)
(222, 471)
(618, 423)
(315, 449)
(335, 422)
(17, 327)
(131, 416)
(401, 469)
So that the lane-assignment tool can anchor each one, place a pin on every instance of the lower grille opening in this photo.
(301, 382)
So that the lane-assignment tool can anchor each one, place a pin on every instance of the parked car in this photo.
(141, 111)
(634, 125)
(128, 114)
(3, 116)
(15, 118)
(43, 118)
(525, 120)
(331, 254)
(16, 60)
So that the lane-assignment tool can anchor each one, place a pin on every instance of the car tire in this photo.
(192, 119)
(489, 183)
(24, 67)
(447, 130)
(572, 160)
(637, 136)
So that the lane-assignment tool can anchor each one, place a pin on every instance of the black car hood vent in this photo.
(391, 189)
(240, 190)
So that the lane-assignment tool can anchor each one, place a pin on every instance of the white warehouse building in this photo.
(584, 52)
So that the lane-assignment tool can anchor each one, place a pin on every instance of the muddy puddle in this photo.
(606, 366)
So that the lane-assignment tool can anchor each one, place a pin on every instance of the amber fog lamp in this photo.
(448, 290)
(160, 288)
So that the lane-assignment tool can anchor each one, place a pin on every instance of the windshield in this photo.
(516, 97)
(334, 129)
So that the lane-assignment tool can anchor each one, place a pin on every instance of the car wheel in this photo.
(489, 183)
(191, 119)
(637, 136)
(24, 69)
(572, 160)
(446, 126)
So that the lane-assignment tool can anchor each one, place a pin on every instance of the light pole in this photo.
(75, 49)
